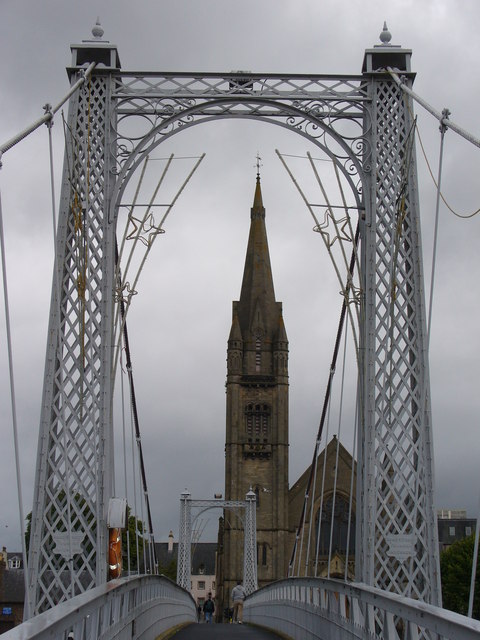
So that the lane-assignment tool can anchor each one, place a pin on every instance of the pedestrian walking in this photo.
(238, 596)
(208, 608)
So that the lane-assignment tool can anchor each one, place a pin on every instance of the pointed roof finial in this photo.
(257, 200)
(97, 31)
(385, 36)
(258, 165)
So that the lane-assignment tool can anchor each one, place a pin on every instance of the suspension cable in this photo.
(322, 488)
(49, 113)
(462, 216)
(133, 400)
(423, 398)
(326, 399)
(352, 477)
(444, 121)
(124, 438)
(335, 482)
(13, 403)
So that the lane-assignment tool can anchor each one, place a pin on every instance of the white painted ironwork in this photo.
(74, 473)
(363, 123)
(184, 560)
(250, 582)
(317, 608)
(397, 545)
(141, 608)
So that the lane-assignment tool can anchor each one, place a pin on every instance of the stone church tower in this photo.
(256, 446)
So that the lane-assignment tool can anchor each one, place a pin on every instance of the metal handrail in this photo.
(141, 607)
(316, 607)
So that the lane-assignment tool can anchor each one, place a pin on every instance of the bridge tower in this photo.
(256, 449)
(365, 125)
(397, 538)
(74, 474)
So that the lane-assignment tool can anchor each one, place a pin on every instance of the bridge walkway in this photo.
(203, 631)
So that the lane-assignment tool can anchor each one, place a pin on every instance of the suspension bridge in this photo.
(364, 125)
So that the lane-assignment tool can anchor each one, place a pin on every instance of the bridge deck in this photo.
(219, 631)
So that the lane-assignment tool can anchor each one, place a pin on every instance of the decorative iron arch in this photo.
(306, 121)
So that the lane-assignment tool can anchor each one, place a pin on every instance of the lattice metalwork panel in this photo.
(250, 544)
(301, 86)
(68, 504)
(398, 523)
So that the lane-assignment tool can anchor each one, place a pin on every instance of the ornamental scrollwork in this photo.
(328, 111)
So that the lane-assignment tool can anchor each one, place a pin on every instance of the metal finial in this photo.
(385, 36)
(97, 31)
(258, 165)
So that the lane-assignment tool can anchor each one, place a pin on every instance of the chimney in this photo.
(170, 542)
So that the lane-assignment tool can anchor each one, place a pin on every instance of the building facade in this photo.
(12, 590)
(202, 577)
(453, 525)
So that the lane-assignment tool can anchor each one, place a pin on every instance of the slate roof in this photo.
(12, 586)
(203, 554)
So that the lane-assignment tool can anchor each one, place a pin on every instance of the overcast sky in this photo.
(180, 319)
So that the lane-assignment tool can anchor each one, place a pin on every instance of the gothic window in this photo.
(257, 418)
(340, 527)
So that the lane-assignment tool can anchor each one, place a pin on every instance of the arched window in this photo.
(340, 527)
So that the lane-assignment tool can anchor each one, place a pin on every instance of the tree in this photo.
(169, 570)
(135, 527)
(28, 531)
(456, 569)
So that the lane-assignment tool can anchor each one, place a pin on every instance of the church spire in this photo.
(257, 297)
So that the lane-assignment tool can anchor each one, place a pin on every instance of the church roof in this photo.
(296, 494)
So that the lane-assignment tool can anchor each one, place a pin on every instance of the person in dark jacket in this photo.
(208, 608)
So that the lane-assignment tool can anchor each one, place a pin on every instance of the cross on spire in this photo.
(258, 165)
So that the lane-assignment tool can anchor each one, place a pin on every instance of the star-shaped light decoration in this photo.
(351, 293)
(120, 295)
(144, 230)
(343, 228)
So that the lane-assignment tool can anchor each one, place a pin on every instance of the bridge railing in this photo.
(137, 607)
(304, 608)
